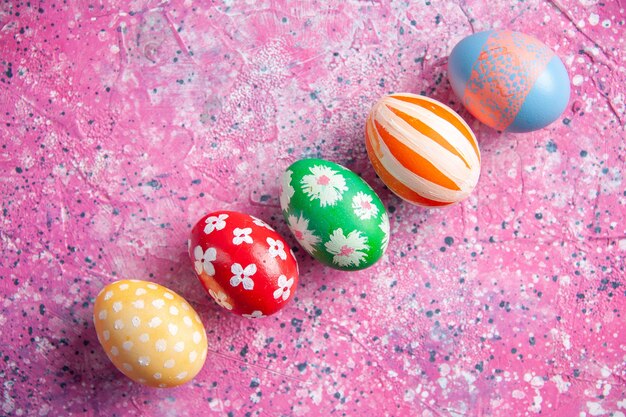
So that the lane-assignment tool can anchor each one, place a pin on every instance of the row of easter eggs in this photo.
(421, 149)
(153, 336)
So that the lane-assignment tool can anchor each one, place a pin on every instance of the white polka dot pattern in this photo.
(150, 333)
(161, 345)
(155, 322)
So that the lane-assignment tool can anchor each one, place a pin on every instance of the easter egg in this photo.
(150, 333)
(422, 150)
(508, 80)
(243, 264)
(334, 214)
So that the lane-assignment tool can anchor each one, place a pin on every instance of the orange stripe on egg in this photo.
(427, 131)
(445, 113)
(394, 184)
(413, 161)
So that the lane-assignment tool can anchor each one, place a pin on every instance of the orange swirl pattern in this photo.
(422, 150)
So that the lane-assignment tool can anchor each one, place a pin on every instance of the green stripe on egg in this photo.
(334, 214)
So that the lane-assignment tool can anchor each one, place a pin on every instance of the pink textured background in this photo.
(120, 129)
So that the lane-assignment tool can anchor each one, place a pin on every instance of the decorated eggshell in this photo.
(334, 214)
(150, 333)
(243, 264)
(508, 80)
(422, 150)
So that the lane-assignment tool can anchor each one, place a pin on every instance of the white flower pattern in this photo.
(299, 226)
(220, 298)
(242, 235)
(277, 248)
(363, 206)
(215, 223)
(256, 314)
(347, 250)
(242, 275)
(284, 288)
(324, 184)
(384, 226)
(261, 223)
(203, 260)
(286, 190)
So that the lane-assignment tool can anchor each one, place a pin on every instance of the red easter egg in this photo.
(244, 264)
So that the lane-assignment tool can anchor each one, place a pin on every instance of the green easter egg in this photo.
(334, 215)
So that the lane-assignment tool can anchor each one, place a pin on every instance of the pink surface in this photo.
(121, 129)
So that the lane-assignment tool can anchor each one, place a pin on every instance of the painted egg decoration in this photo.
(150, 333)
(508, 80)
(422, 150)
(334, 214)
(243, 263)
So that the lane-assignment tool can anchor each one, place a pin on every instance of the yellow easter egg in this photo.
(150, 333)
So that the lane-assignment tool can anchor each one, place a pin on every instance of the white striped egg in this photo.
(422, 150)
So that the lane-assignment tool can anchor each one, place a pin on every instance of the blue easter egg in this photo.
(508, 80)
